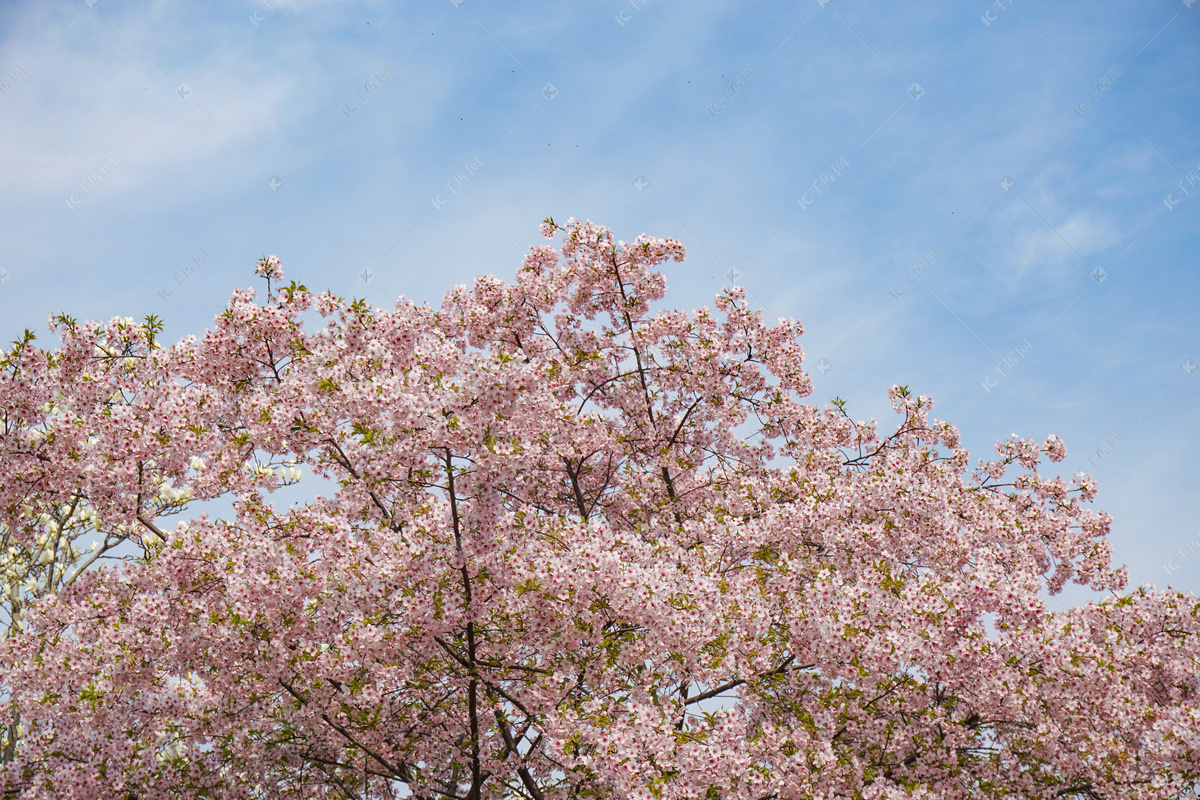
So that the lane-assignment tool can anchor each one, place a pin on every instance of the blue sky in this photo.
(995, 204)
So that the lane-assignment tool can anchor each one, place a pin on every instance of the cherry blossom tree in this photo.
(557, 544)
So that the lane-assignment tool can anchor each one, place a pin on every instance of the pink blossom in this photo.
(557, 542)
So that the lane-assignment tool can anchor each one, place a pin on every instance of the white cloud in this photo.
(1042, 250)
(68, 115)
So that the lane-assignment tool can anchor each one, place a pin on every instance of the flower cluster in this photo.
(555, 544)
(268, 267)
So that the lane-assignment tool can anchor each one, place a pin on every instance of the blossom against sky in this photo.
(995, 204)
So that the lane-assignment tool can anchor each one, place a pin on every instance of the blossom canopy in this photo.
(560, 542)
